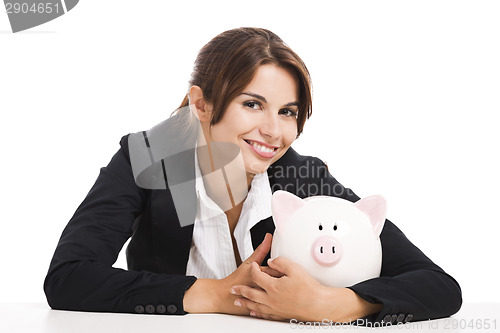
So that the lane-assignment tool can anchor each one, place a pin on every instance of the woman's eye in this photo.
(251, 104)
(288, 113)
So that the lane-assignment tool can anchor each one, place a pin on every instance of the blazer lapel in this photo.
(258, 232)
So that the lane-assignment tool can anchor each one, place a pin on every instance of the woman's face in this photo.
(262, 119)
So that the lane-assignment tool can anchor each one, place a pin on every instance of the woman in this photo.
(193, 193)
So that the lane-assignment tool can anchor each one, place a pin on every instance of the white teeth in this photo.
(261, 147)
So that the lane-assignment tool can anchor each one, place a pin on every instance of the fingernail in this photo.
(232, 291)
(237, 303)
(253, 314)
(269, 260)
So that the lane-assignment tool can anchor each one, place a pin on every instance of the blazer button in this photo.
(139, 309)
(409, 317)
(150, 308)
(387, 319)
(161, 308)
(172, 308)
(401, 317)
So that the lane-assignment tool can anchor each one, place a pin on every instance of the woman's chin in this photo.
(256, 169)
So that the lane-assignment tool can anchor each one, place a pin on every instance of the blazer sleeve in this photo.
(410, 287)
(81, 276)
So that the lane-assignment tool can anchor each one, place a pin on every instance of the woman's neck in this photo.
(225, 181)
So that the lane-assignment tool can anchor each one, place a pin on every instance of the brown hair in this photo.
(227, 64)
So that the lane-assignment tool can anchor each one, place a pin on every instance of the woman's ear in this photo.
(200, 108)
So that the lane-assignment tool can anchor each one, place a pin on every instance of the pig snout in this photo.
(327, 251)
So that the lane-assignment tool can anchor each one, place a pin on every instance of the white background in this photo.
(405, 95)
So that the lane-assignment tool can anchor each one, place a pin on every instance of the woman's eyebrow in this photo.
(262, 98)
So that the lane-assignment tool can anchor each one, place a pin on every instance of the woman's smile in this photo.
(262, 149)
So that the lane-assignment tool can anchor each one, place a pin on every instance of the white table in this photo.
(34, 318)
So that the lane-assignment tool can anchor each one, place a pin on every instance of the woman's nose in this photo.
(271, 126)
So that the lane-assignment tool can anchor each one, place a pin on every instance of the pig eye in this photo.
(335, 227)
(320, 227)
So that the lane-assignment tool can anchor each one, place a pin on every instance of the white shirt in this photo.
(211, 255)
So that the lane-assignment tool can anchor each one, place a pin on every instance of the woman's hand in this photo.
(298, 295)
(210, 295)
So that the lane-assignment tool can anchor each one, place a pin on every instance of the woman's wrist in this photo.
(211, 296)
(344, 305)
(362, 307)
(202, 297)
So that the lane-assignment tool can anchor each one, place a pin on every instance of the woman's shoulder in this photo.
(148, 151)
(293, 160)
(303, 176)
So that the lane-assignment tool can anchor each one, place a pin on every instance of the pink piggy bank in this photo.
(335, 240)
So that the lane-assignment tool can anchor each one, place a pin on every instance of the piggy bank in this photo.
(335, 240)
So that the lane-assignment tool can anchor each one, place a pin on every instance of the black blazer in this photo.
(81, 276)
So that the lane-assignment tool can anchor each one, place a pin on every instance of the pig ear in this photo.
(284, 204)
(375, 207)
